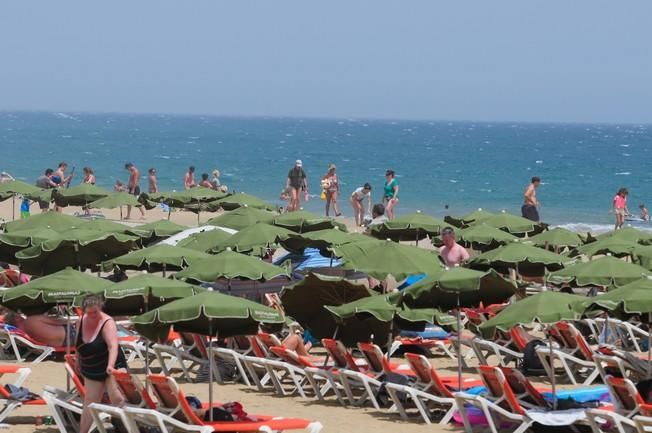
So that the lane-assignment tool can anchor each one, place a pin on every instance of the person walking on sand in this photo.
(296, 182)
(331, 187)
(452, 253)
(89, 176)
(189, 178)
(357, 198)
(390, 193)
(530, 208)
(153, 182)
(99, 356)
(133, 187)
(620, 207)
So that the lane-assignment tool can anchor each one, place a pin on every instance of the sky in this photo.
(501, 60)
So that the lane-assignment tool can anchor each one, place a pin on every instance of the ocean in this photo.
(443, 168)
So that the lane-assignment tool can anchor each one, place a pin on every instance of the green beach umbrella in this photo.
(13, 188)
(449, 288)
(320, 239)
(157, 258)
(104, 225)
(61, 287)
(242, 217)
(157, 230)
(412, 227)
(643, 256)
(258, 239)
(605, 271)
(242, 199)
(468, 219)
(145, 292)
(207, 313)
(521, 256)
(11, 243)
(304, 302)
(382, 258)
(513, 224)
(115, 200)
(79, 195)
(302, 221)
(614, 246)
(632, 298)
(78, 248)
(50, 220)
(180, 199)
(481, 237)
(628, 234)
(230, 265)
(204, 241)
(557, 239)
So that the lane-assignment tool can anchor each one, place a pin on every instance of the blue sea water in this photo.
(461, 165)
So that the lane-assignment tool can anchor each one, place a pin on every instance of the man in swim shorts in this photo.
(530, 208)
(133, 187)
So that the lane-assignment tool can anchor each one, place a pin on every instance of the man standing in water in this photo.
(296, 182)
(133, 187)
(530, 208)
(153, 182)
(452, 253)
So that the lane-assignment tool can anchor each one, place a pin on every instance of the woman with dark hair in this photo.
(89, 176)
(357, 198)
(98, 356)
(390, 193)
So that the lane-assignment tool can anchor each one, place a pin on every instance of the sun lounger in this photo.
(172, 399)
(222, 354)
(140, 417)
(133, 390)
(100, 412)
(627, 403)
(70, 365)
(66, 409)
(189, 358)
(9, 404)
(20, 340)
(341, 357)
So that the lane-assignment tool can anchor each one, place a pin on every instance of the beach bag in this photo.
(323, 195)
(20, 393)
(531, 365)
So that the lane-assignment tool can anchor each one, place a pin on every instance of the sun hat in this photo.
(298, 163)
(216, 173)
(331, 167)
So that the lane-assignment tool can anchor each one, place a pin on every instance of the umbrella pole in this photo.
(210, 371)
(164, 269)
(120, 213)
(649, 345)
(68, 346)
(417, 240)
(13, 207)
(198, 211)
(77, 262)
(146, 302)
(552, 374)
(459, 344)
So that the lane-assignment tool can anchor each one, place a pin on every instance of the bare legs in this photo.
(389, 207)
(358, 211)
(295, 342)
(620, 220)
(295, 199)
(94, 393)
(331, 197)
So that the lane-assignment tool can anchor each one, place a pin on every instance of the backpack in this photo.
(531, 365)
(382, 396)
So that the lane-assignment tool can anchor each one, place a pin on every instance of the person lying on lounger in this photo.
(47, 330)
(295, 340)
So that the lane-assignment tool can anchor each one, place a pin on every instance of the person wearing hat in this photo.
(331, 188)
(296, 182)
(215, 182)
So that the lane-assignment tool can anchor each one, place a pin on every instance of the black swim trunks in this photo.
(530, 212)
(136, 191)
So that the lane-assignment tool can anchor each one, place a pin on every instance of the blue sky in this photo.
(585, 61)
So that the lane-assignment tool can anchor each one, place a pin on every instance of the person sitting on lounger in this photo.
(43, 328)
(295, 341)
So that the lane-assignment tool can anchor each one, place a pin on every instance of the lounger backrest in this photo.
(70, 364)
(10, 369)
(566, 335)
(585, 350)
(290, 356)
(520, 338)
(626, 396)
(171, 399)
(497, 385)
(200, 344)
(256, 347)
(374, 356)
(521, 384)
(427, 374)
(241, 343)
(341, 356)
(133, 390)
(268, 340)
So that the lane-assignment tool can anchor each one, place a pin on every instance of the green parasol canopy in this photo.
(230, 265)
(545, 307)
(304, 302)
(78, 248)
(242, 217)
(156, 230)
(481, 237)
(190, 198)
(204, 241)
(145, 292)
(520, 254)
(61, 287)
(605, 271)
(632, 298)
(11, 243)
(557, 238)
(628, 234)
(207, 313)
(242, 199)
(302, 221)
(17, 187)
(513, 224)
(104, 225)
(468, 219)
(643, 256)
(321, 239)
(415, 226)
(257, 239)
(79, 195)
(449, 288)
(50, 220)
(382, 258)
(615, 246)
(114, 200)
(157, 258)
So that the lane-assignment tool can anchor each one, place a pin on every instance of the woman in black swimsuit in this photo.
(99, 355)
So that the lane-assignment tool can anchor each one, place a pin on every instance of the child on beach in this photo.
(620, 207)
(645, 215)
